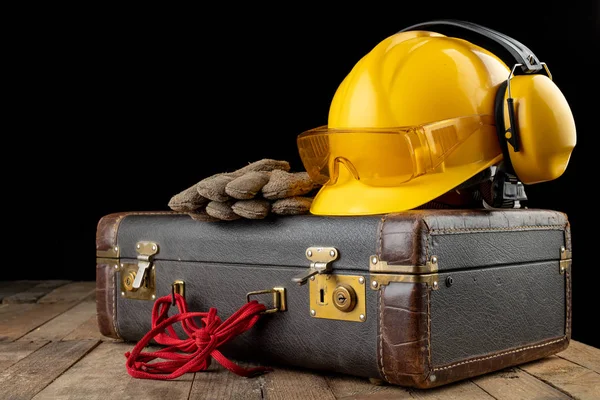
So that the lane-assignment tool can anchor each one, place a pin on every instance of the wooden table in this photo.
(50, 348)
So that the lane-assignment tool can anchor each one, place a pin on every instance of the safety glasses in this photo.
(387, 156)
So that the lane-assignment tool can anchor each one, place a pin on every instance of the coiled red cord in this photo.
(194, 353)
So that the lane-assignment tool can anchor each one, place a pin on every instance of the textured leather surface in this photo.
(403, 340)
(106, 230)
(273, 241)
(288, 338)
(488, 310)
(414, 345)
(105, 300)
(472, 238)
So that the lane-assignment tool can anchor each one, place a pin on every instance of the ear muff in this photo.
(535, 126)
(538, 138)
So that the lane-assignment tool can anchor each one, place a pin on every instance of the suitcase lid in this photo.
(411, 242)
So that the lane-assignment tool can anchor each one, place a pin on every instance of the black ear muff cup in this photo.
(501, 126)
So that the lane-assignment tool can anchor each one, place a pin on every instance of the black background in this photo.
(118, 110)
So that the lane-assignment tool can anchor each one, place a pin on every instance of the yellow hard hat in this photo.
(422, 113)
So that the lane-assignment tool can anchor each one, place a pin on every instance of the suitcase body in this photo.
(420, 298)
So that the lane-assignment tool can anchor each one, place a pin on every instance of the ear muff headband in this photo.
(529, 63)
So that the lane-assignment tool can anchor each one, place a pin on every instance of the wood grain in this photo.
(65, 323)
(88, 330)
(33, 293)
(219, 383)
(12, 352)
(582, 354)
(515, 384)
(17, 320)
(75, 291)
(573, 379)
(30, 375)
(102, 375)
(288, 384)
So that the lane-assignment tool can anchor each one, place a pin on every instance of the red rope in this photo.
(194, 353)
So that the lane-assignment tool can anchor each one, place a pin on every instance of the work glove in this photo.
(254, 191)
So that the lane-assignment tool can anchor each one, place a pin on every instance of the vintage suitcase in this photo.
(418, 298)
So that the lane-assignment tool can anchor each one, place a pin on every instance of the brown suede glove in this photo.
(252, 192)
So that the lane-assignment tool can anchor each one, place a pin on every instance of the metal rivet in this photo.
(374, 284)
(332, 253)
(434, 259)
(122, 293)
(374, 260)
(312, 278)
(562, 269)
(449, 281)
(153, 247)
(432, 378)
(153, 297)
(116, 266)
(116, 248)
(361, 280)
(122, 265)
(138, 246)
(313, 312)
(309, 253)
(435, 285)
(562, 249)
(361, 317)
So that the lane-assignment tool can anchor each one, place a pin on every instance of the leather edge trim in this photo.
(106, 310)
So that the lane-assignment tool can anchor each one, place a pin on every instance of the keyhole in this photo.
(322, 295)
(341, 298)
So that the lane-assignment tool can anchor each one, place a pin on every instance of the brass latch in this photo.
(138, 280)
(146, 250)
(320, 263)
(279, 300)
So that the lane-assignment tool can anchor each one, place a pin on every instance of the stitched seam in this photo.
(381, 334)
(568, 283)
(440, 231)
(499, 355)
(429, 328)
(380, 243)
(114, 306)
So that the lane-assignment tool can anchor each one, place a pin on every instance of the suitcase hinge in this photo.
(320, 263)
(565, 259)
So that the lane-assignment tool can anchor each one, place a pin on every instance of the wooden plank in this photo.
(344, 386)
(515, 384)
(12, 352)
(17, 320)
(75, 291)
(575, 380)
(34, 372)
(288, 384)
(33, 293)
(462, 390)
(219, 383)
(582, 354)
(8, 288)
(102, 375)
(88, 330)
(59, 327)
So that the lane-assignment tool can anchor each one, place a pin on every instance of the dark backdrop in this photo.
(124, 108)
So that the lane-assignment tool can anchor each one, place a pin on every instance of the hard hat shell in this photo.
(412, 78)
